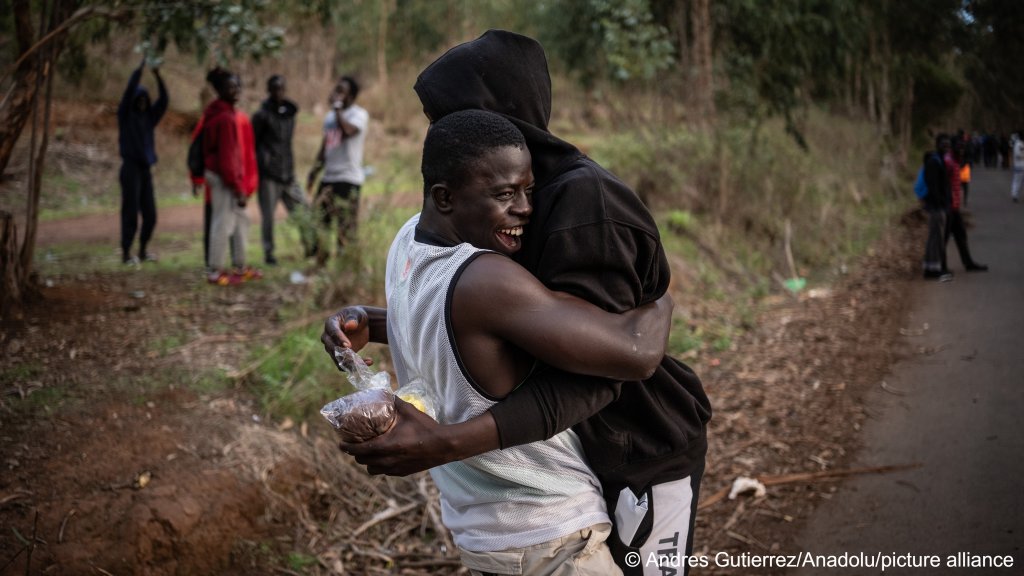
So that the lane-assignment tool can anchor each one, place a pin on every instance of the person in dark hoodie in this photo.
(273, 126)
(936, 203)
(591, 236)
(137, 118)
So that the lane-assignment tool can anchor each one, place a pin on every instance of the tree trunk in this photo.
(885, 117)
(10, 267)
(703, 61)
(905, 123)
(16, 106)
(385, 8)
(28, 248)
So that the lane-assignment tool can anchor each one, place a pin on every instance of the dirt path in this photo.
(955, 407)
(106, 228)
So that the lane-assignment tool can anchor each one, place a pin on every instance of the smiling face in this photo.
(492, 202)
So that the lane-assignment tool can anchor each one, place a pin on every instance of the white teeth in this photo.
(517, 231)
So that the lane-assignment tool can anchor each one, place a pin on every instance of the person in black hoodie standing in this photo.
(137, 118)
(590, 236)
(273, 127)
(936, 204)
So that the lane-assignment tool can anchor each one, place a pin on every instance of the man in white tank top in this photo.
(468, 322)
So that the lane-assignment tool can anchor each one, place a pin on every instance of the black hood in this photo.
(502, 72)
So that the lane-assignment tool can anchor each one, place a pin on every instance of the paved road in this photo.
(961, 415)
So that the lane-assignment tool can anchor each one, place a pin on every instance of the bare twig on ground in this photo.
(808, 477)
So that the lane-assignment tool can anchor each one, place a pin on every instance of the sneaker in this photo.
(131, 261)
(148, 257)
(224, 279)
(250, 273)
(940, 276)
(975, 267)
(270, 260)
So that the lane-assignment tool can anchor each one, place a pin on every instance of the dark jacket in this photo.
(937, 181)
(591, 236)
(135, 128)
(273, 126)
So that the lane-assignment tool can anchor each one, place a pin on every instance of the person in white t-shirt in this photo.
(341, 160)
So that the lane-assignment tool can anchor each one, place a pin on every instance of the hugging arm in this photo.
(632, 263)
(497, 296)
(551, 326)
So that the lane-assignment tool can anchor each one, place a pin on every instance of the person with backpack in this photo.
(137, 119)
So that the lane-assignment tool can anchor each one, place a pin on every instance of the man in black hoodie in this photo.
(137, 118)
(590, 236)
(936, 204)
(273, 126)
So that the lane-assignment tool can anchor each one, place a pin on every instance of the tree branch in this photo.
(80, 15)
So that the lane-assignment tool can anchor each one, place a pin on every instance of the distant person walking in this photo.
(229, 156)
(341, 160)
(137, 118)
(273, 126)
(1018, 166)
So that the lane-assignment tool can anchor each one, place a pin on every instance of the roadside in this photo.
(954, 407)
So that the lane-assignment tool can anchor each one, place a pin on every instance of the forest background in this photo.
(774, 141)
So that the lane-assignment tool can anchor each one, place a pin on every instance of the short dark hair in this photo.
(353, 85)
(457, 141)
(275, 80)
(218, 76)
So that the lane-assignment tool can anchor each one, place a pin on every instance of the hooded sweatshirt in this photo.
(591, 236)
(273, 126)
(135, 128)
(228, 147)
(935, 178)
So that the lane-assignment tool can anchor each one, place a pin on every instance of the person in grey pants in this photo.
(273, 128)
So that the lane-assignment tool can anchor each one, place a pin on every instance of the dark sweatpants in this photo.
(955, 227)
(136, 197)
(935, 247)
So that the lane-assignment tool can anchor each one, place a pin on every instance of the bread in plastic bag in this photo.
(362, 415)
(368, 412)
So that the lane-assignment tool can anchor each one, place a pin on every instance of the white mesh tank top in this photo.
(505, 498)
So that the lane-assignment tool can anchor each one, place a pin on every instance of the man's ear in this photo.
(442, 198)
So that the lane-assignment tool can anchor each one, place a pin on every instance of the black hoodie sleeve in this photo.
(160, 106)
(547, 403)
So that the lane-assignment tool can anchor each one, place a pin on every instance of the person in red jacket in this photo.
(229, 157)
(952, 157)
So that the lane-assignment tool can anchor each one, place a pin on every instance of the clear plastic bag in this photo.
(370, 411)
(417, 394)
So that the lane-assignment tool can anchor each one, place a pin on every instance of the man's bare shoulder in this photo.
(492, 281)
